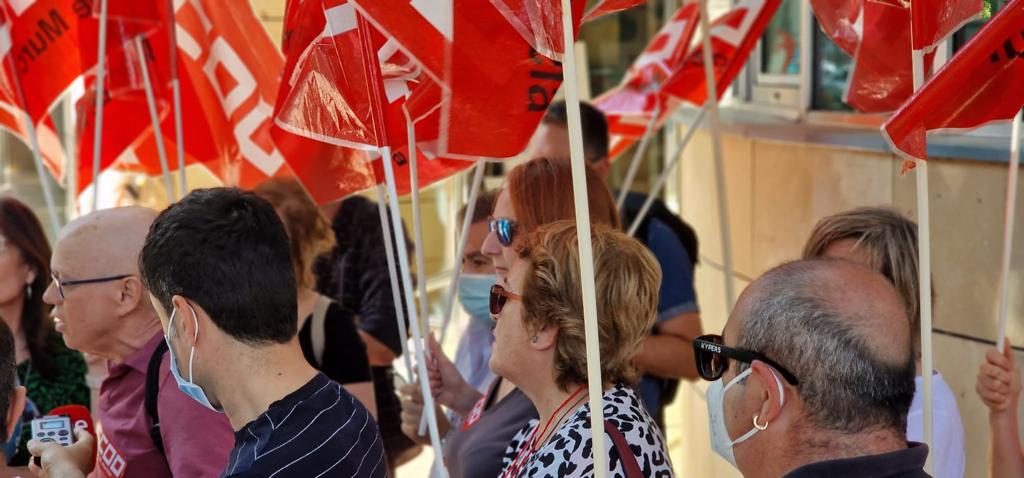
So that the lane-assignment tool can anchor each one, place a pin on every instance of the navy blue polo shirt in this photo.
(317, 430)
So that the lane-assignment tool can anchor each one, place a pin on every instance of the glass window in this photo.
(831, 70)
(780, 46)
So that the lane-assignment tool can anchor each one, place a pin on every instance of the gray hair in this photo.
(845, 385)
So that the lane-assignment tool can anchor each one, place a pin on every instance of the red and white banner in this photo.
(540, 22)
(630, 106)
(981, 84)
(733, 36)
(937, 19)
(12, 119)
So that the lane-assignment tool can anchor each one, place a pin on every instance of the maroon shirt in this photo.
(197, 440)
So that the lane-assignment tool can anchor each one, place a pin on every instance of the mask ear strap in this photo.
(195, 337)
(782, 390)
(757, 428)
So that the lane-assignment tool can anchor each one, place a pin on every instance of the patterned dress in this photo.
(568, 453)
(67, 386)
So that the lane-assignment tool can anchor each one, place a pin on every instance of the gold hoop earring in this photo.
(759, 426)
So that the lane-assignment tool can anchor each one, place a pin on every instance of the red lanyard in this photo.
(531, 446)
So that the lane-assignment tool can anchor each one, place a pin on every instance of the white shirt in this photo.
(947, 452)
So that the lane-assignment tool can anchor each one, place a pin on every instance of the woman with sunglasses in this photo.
(537, 192)
(540, 347)
(53, 374)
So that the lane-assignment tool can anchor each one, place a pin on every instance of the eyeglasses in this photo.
(62, 284)
(499, 297)
(712, 358)
(505, 229)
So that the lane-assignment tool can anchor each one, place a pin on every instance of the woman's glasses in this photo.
(713, 358)
(500, 297)
(505, 229)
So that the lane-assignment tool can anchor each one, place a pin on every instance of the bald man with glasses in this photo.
(101, 307)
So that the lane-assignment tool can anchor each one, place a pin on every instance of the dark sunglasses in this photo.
(505, 229)
(713, 358)
(499, 297)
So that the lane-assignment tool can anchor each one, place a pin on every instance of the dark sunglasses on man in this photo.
(505, 228)
(713, 356)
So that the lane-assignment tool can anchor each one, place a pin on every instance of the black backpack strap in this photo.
(152, 390)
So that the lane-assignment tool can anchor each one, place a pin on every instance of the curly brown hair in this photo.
(627, 281)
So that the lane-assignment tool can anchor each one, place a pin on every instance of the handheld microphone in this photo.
(79, 415)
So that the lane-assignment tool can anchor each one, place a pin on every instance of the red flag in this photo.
(630, 106)
(608, 7)
(877, 34)
(492, 102)
(343, 96)
(733, 36)
(50, 148)
(981, 84)
(937, 19)
(44, 49)
(229, 78)
(540, 22)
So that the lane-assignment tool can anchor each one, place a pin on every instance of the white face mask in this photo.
(720, 441)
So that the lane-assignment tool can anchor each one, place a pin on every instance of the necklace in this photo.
(531, 442)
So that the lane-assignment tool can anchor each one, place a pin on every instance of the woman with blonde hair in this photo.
(327, 330)
(886, 241)
(540, 346)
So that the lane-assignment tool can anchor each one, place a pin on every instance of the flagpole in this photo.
(586, 250)
(1011, 207)
(154, 117)
(396, 290)
(97, 142)
(417, 227)
(467, 223)
(634, 164)
(669, 168)
(716, 149)
(176, 97)
(410, 298)
(924, 252)
(37, 155)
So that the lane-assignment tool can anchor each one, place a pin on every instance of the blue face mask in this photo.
(475, 296)
(187, 387)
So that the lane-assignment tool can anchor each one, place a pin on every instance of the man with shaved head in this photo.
(101, 307)
(813, 376)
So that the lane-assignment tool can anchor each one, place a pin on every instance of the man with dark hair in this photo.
(813, 376)
(664, 356)
(12, 395)
(221, 278)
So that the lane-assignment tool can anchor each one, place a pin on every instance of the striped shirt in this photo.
(317, 431)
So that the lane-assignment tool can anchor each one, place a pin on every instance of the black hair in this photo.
(226, 250)
(8, 376)
(594, 124)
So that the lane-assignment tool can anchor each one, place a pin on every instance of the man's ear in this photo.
(773, 392)
(603, 166)
(15, 409)
(132, 293)
(545, 338)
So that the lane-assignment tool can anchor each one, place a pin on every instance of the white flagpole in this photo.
(176, 93)
(467, 222)
(37, 155)
(667, 172)
(924, 258)
(634, 164)
(410, 298)
(595, 381)
(155, 119)
(1011, 208)
(396, 290)
(716, 149)
(100, 99)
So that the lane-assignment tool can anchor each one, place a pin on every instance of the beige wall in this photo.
(777, 192)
